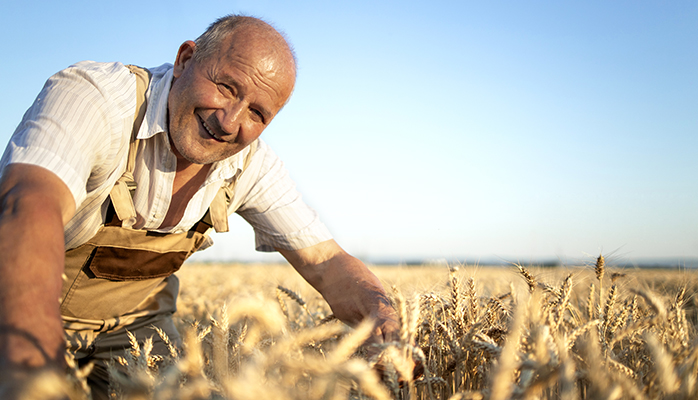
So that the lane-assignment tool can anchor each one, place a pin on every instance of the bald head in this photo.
(232, 31)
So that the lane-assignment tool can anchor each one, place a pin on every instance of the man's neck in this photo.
(188, 179)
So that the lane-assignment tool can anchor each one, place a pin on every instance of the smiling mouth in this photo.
(213, 135)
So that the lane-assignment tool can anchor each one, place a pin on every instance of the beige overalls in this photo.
(122, 279)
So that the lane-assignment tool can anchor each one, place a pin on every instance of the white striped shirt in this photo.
(79, 128)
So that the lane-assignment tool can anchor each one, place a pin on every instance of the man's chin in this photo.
(202, 157)
(188, 155)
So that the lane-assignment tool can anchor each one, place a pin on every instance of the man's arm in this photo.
(352, 291)
(34, 207)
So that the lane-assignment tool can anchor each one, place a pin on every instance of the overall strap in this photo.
(217, 214)
(122, 192)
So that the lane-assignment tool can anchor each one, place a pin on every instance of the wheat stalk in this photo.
(502, 377)
(600, 267)
(666, 375)
(528, 277)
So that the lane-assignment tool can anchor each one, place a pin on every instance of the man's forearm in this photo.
(349, 287)
(32, 253)
(31, 264)
(352, 291)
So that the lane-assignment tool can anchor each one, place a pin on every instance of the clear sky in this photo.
(519, 130)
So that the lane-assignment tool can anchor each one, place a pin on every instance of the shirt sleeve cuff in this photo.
(310, 236)
(54, 163)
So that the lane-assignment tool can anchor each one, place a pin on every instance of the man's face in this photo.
(219, 105)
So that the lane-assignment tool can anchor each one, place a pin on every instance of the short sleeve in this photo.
(275, 208)
(75, 126)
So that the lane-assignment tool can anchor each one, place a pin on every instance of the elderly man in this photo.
(116, 174)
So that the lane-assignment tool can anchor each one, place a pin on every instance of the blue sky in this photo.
(474, 130)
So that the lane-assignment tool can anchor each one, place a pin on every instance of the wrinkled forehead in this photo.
(258, 64)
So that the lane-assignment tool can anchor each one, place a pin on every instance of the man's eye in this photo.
(225, 88)
(257, 115)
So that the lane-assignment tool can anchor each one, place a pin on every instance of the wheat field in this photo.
(256, 332)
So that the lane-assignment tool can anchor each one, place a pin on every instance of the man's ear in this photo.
(184, 57)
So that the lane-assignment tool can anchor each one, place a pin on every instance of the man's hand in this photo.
(352, 291)
(34, 207)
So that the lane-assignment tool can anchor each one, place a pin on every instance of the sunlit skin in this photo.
(220, 105)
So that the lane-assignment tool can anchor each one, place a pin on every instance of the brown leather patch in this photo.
(119, 264)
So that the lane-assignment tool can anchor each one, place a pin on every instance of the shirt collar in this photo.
(155, 122)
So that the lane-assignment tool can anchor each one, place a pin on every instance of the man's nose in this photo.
(230, 117)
